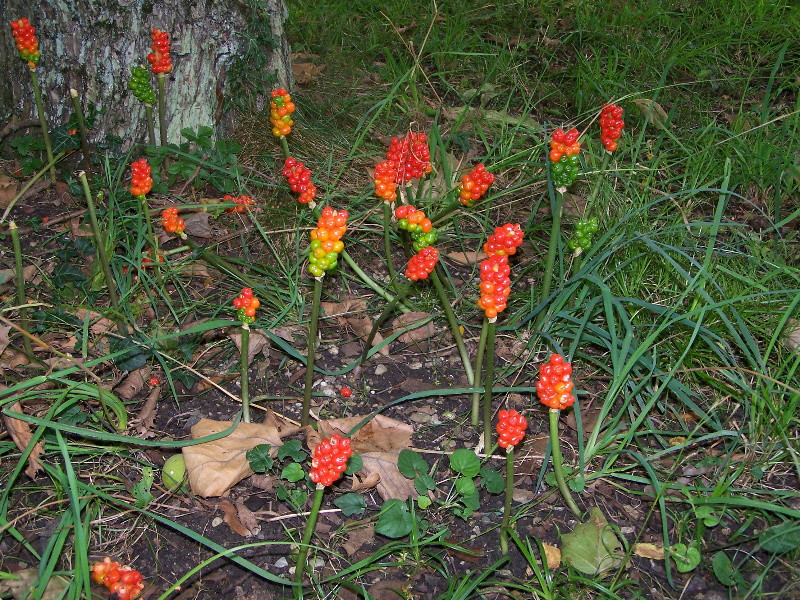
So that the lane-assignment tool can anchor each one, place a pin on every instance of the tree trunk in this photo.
(91, 46)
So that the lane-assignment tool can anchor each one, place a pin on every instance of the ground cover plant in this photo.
(501, 301)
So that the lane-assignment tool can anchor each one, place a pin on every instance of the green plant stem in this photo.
(507, 499)
(37, 95)
(302, 553)
(453, 322)
(102, 254)
(488, 384)
(285, 146)
(22, 298)
(76, 105)
(151, 127)
(312, 342)
(558, 467)
(597, 181)
(552, 250)
(28, 185)
(387, 245)
(151, 234)
(390, 306)
(368, 281)
(162, 113)
(244, 362)
(476, 396)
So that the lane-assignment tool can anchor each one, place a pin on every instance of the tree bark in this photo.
(91, 46)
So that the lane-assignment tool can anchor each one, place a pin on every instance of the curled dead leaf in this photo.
(652, 111)
(133, 383)
(552, 555)
(421, 331)
(231, 518)
(21, 434)
(143, 423)
(647, 550)
(258, 342)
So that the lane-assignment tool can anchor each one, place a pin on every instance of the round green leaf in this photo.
(466, 462)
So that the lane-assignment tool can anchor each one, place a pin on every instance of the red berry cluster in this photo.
(504, 241)
(141, 182)
(411, 155)
(147, 261)
(330, 459)
(422, 263)
(326, 241)
(27, 44)
(384, 178)
(159, 58)
(495, 285)
(510, 428)
(246, 304)
(611, 125)
(555, 383)
(474, 185)
(171, 222)
(281, 108)
(124, 583)
(242, 202)
(299, 178)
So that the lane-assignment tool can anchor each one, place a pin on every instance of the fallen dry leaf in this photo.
(647, 550)
(369, 482)
(21, 434)
(422, 333)
(304, 69)
(258, 342)
(264, 482)
(467, 258)
(24, 581)
(247, 517)
(8, 276)
(344, 313)
(652, 111)
(98, 324)
(231, 517)
(357, 538)
(143, 422)
(197, 225)
(552, 555)
(791, 333)
(379, 442)
(79, 229)
(8, 190)
(4, 339)
(133, 383)
(390, 589)
(215, 467)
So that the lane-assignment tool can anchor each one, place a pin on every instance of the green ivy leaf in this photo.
(423, 502)
(292, 449)
(780, 538)
(141, 489)
(394, 520)
(424, 483)
(293, 472)
(709, 516)
(492, 480)
(411, 464)
(354, 464)
(725, 572)
(466, 462)
(351, 504)
(259, 458)
(465, 486)
(593, 547)
(686, 557)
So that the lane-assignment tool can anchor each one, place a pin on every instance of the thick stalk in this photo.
(488, 385)
(387, 246)
(312, 342)
(102, 254)
(476, 396)
(285, 146)
(390, 306)
(302, 553)
(151, 234)
(244, 363)
(37, 95)
(162, 113)
(552, 250)
(151, 127)
(76, 105)
(558, 467)
(368, 280)
(507, 500)
(453, 322)
(22, 298)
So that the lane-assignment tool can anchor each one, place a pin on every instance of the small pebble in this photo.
(380, 369)
(415, 365)
(281, 563)
(217, 521)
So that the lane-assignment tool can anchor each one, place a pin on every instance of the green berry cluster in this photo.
(584, 231)
(140, 85)
(422, 231)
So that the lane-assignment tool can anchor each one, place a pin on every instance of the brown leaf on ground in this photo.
(99, 325)
(80, 229)
(346, 307)
(197, 225)
(590, 412)
(391, 589)
(194, 269)
(11, 359)
(466, 258)
(379, 442)
(294, 334)
(9, 188)
(362, 326)
(553, 556)
(646, 550)
(215, 467)
(304, 68)
(231, 517)
(792, 334)
(344, 313)
(23, 582)
(264, 482)
(7, 276)
(368, 482)
(652, 111)
(133, 383)
(21, 434)
(357, 538)
(143, 422)
(421, 333)
(4, 338)
(247, 517)
(258, 342)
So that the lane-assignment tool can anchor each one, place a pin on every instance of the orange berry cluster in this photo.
(25, 38)
(330, 459)
(171, 222)
(384, 178)
(141, 182)
(242, 202)
(555, 383)
(147, 261)
(124, 583)
(504, 241)
(281, 108)
(159, 58)
(474, 185)
(246, 304)
(564, 150)
(299, 178)
(326, 241)
(510, 428)
(611, 126)
(422, 263)
(422, 231)
(495, 285)
(411, 155)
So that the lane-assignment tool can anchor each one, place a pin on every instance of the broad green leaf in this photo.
(293, 472)
(686, 557)
(465, 486)
(708, 514)
(492, 480)
(466, 462)
(780, 538)
(424, 483)
(593, 547)
(725, 571)
(292, 449)
(410, 463)
(351, 504)
(354, 464)
(423, 502)
(259, 458)
(394, 520)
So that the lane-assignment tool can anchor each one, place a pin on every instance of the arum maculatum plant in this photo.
(554, 389)
(161, 64)
(28, 48)
(172, 223)
(139, 84)
(246, 305)
(328, 463)
(141, 184)
(510, 430)
(281, 108)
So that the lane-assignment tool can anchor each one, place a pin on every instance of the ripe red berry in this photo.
(330, 459)
(555, 383)
(346, 392)
(510, 428)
